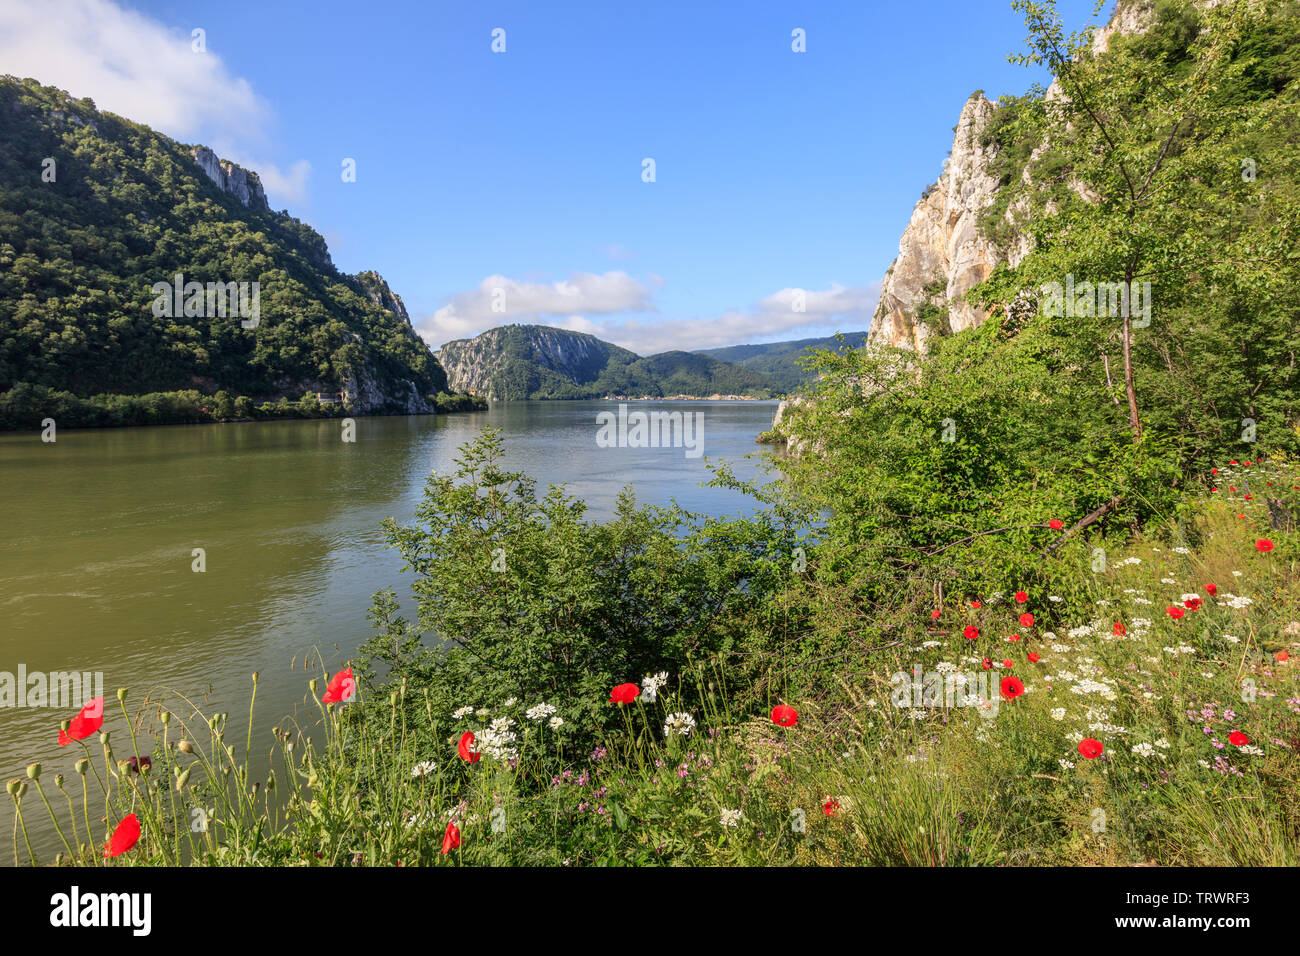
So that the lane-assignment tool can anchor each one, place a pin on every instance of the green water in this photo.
(99, 529)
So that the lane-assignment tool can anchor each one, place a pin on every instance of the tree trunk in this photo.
(1134, 421)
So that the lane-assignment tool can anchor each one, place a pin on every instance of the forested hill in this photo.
(95, 210)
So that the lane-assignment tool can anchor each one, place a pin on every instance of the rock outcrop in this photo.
(942, 254)
(243, 184)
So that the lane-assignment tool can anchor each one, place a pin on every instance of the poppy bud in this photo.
(81, 766)
(65, 725)
(270, 782)
(121, 694)
(185, 747)
(254, 677)
(166, 717)
(183, 779)
(34, 771)
(22, 789)
(12, 787)
(103, 738)
(58, 780)
(312, 684)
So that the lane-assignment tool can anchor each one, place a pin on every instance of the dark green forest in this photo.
(94, 210)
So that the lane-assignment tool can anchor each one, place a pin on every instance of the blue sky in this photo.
(522, 170)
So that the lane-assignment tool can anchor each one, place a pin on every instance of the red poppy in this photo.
(1119, 629)
(135, 766)
(1211, 590)
(466, 748)
(450, 839)
(1055, 525)
(1012, 687)
(976, 604)
(1175, 612)
(88, 720)
(971, 632)
(1214, 490)
(1090, 748)
(988, 662)
(830, 806)
(341, 689)
(783, 715)
(1013, 637)
(936, 614)
(1033, 657)
(1238, 739)
(1233, 462)
(1230, 488)
(1282, 656)
(624, 694)
(124, 836)
(1008, 663)
(1264, 545)
(1192, 604)
(1021, 597)
(1026, 620)
(1214, 471)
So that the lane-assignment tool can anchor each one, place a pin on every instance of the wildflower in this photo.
(624, 694)
(341, 688)
(986, 663)
(1026, 620)
(556, 723)
(1008, 663)
(830, 806)
(1055, 524)
(139, 765)
(1058, 713)
(539, 711)
(450, 839)
(1238, 739)
(1175, 612)
(1263, 545)
(460, 712)
(1065, 764)
(971, 632)
(124, 836)
(88, 720)
(1090, 748)
(1021, 597)
(680, 724)
(1192, 604)
(1143, 750)
(423, 768)
(976, 605)
(1012, 687)
(511, 702)
(650, 685)
(783, 715)
(730, 818)
(936, 614)
(1119, 629)
(1033, 657)
(466, 748)
(1211, 590)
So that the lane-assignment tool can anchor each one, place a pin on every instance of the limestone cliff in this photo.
(942, 254)
(243, 184)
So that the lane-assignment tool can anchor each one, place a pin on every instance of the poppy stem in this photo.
(53, 819)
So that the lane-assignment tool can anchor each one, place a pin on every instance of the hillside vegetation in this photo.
(95, 209)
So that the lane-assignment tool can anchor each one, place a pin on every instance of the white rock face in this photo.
(942, 242)
(242, 183)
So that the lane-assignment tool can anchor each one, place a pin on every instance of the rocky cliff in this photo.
(243, 184)
(514, 361)
(942, 254)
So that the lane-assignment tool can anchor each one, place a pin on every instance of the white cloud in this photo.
(596, 304)
(498, 300)
(145, 71)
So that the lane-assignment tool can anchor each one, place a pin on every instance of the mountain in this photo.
(518, 362)
(112, 239)
(778, 361)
